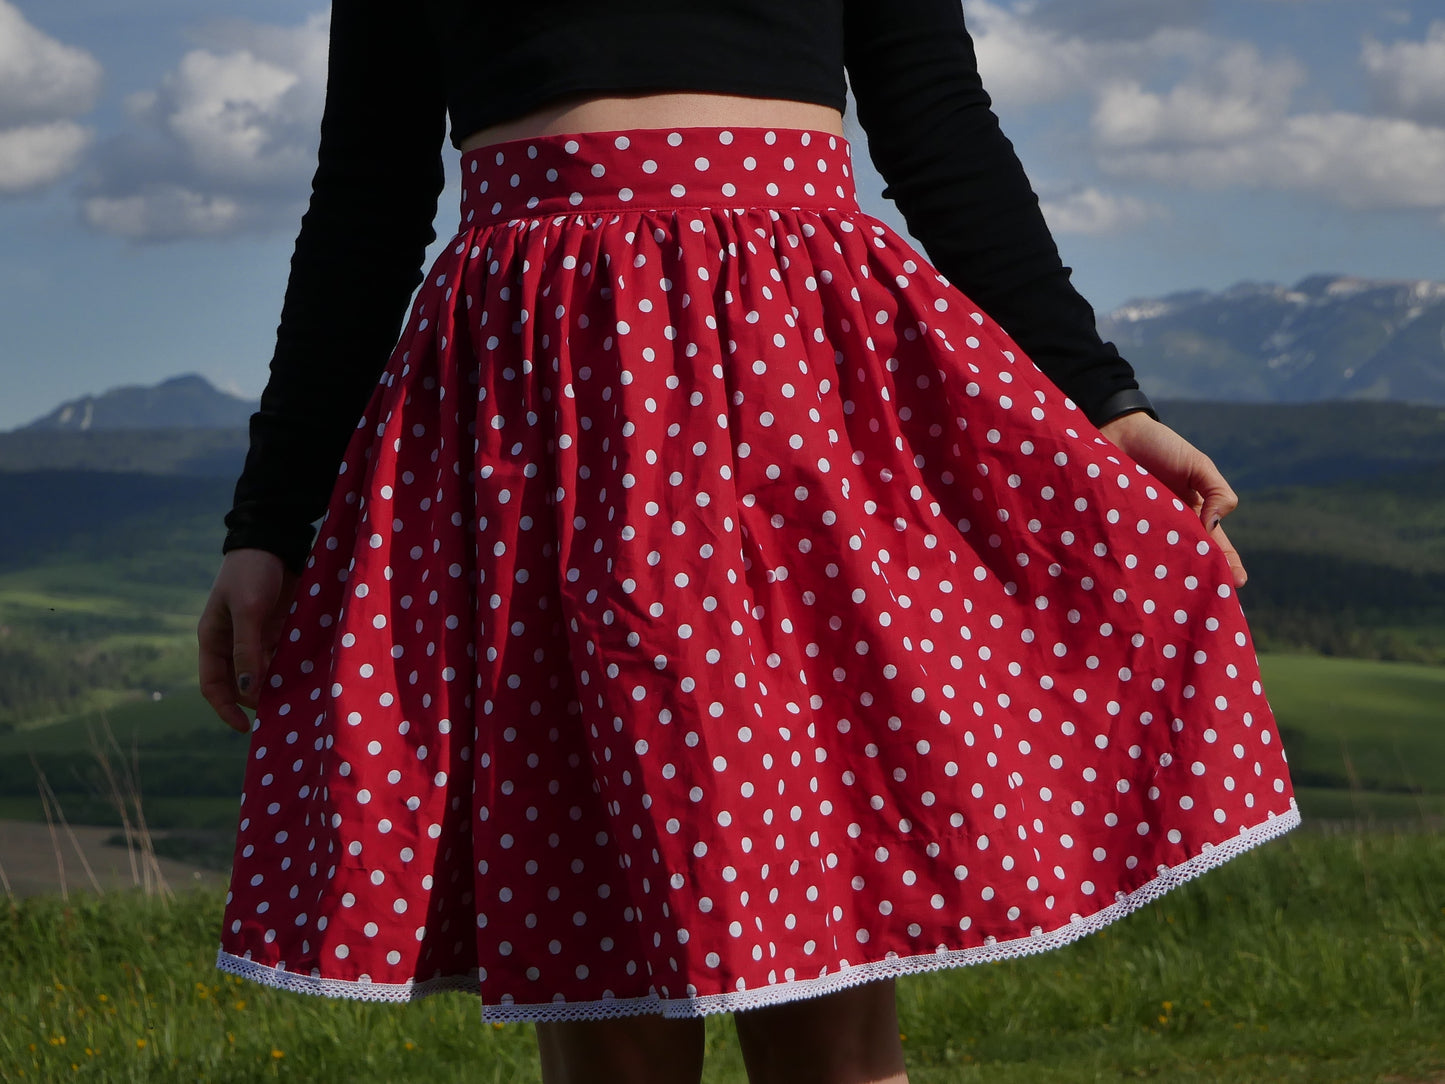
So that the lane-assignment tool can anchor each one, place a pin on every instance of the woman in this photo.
(716, 608)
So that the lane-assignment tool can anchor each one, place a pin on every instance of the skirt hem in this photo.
(777, 993)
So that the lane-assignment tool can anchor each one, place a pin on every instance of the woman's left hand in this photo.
(1186, 470)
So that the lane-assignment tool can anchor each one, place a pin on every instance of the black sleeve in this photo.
(356, 263)
(933, 136)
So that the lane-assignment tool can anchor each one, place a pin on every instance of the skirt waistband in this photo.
(654, 168)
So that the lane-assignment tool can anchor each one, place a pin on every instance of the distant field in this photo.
(76, 635)
(1366, 741)
(1311, 960)
(141, 719)
(1357, 722)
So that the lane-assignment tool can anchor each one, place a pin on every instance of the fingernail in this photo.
(243, 682)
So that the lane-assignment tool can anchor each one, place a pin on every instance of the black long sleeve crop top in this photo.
(396, 72)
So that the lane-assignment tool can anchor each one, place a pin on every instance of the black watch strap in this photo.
(1124, 401)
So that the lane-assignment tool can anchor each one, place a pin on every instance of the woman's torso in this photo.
(659, 110)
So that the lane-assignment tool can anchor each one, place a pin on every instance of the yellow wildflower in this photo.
(278, 1054)
(140, 1044)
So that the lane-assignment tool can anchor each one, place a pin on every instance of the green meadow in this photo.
(1317, 958)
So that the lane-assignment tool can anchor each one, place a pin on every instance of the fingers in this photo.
(1236, 566)
(239, 630)
(1187, 471)
(1217, 501)
(248, 658)
(1218, 498)
(218, 686)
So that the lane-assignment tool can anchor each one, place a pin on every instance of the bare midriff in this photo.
(664, 110)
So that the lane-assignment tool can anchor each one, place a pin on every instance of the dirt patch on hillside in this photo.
(34, 866)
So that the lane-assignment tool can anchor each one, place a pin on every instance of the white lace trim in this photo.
(1211, 856)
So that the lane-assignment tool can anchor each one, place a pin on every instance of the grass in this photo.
(1316, 958)
(1382, 722)
(1366, 806)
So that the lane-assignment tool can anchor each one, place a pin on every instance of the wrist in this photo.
(1121, 427)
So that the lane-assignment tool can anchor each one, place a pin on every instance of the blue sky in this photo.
(155, 156)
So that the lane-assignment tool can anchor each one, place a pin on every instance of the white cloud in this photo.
(1409, 76)
(1186, 108)
(226, 143)
(36, 155)
(41, 79)
(1351, 159)
(1095, 213)
(164, 212)
(225, 110)
(44, 84)
(1025, 61)
(1236, 96)
(1024, 64)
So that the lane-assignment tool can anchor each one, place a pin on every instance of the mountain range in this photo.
(186, 402)
(1327, 337)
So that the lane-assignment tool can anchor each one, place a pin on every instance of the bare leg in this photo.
(850, 1037)
(628, 1050)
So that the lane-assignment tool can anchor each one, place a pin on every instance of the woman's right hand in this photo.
(239, 630)
(1186, 470)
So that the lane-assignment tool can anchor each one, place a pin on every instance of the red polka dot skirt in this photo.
(715, 609)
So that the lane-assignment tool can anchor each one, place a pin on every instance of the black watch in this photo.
(1124, 401)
